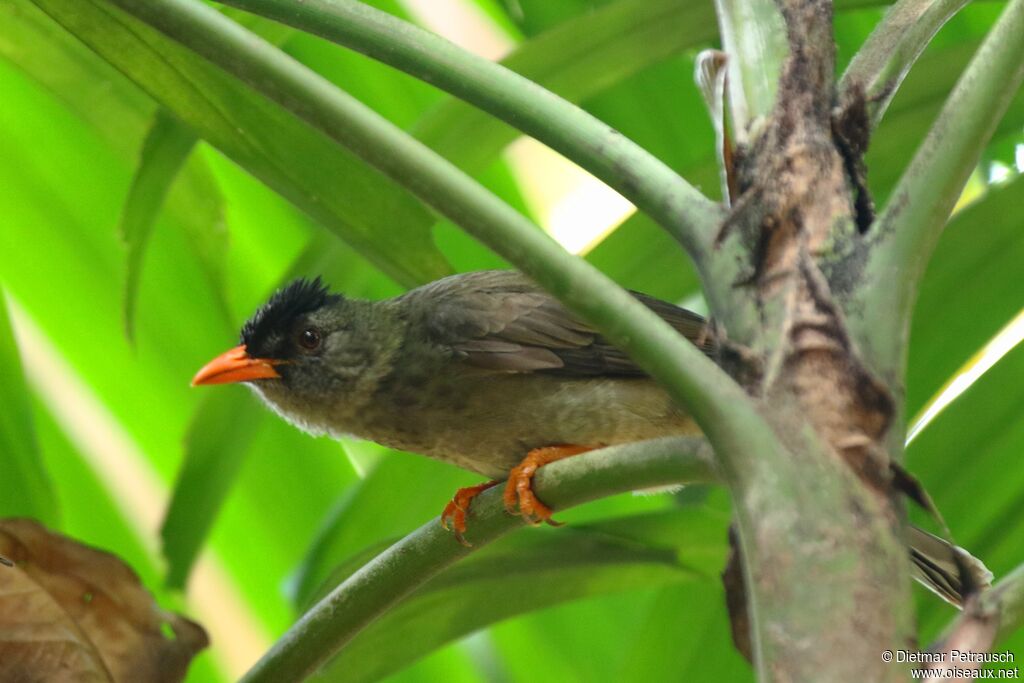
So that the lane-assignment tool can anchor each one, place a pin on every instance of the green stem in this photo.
(396, 572)
(907, 230)
(576, 59)
(884, 60)
(711, 76)
(622, 164)
(754, 38)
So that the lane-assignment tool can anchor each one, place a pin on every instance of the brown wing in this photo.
(502, 321)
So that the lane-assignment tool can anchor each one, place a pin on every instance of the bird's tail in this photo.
(947, 570)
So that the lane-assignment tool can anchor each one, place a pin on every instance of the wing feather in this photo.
(503, 322)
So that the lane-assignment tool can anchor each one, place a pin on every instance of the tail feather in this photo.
(940, 566)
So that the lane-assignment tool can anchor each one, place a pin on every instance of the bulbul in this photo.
(484, 370)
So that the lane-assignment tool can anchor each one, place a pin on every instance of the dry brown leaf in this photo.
(38, 642)
(69, 612)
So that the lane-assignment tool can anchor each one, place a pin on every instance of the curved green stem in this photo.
(719, 405)
(399, 570)
(575, 59)
(885, 58)
(625, 166)
(907, 230)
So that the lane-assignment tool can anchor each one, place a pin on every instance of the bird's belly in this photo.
(487, 424)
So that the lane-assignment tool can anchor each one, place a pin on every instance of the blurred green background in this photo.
(102, 438)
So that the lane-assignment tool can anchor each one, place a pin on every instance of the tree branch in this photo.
(832, 413)
(383, 582)
(907, 230)
(986, 619)
(625, 166)
(1005, 600)
(885, 58)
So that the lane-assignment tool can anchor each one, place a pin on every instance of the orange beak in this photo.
(235, 366)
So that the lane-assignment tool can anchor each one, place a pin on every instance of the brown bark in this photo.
(803, 200)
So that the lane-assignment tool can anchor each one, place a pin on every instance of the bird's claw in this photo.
(518, 496)
(453, 518)
(519, 489)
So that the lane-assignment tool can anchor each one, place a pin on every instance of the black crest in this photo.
(298, 298)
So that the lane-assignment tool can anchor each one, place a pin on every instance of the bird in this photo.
(484, 370)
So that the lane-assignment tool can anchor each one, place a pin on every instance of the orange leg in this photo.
(519, 488)
(454, 516)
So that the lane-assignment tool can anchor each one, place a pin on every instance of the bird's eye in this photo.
(309, 339)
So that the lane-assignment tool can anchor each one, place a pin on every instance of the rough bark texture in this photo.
(803, 200)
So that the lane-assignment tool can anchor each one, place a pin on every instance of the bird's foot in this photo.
(519, 496)
(519, 488)
(454, 516)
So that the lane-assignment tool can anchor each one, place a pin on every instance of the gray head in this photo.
(306, 352)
